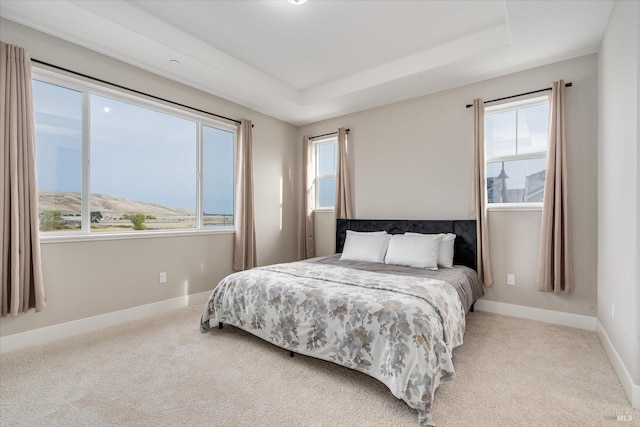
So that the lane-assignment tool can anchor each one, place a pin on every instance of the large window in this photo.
(516, 138)
(326, 156)
(109, 162)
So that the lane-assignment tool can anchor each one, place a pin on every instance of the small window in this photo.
(516, 140)
(326, 156)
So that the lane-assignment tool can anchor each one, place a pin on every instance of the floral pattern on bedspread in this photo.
(399, 329)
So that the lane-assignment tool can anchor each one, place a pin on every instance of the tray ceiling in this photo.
(305, 63)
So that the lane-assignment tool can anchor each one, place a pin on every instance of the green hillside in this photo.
(69, 204)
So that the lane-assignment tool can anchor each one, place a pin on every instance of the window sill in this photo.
(521, 207)
(93, 237)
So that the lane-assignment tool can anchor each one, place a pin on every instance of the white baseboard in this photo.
(89, 324)
(549, 316)
(632, 389)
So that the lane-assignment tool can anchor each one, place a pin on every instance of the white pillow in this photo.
(445, 253)
(361, 246)
(414, 250)
(445, 257)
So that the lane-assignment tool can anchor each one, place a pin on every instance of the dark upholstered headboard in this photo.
(465, 231)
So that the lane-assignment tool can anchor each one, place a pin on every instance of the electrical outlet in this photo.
(163, 277)
(511, 279)
(613, 312)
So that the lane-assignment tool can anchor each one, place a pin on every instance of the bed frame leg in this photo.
(473, 307)
(290, 353)
(220, 325)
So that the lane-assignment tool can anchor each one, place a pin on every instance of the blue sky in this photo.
(136, 153)
(327, 166)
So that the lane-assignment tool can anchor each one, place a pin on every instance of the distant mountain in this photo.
(69, 203)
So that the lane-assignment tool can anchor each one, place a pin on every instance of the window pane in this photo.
(500, 133)
(516, 181)
(217, 177)
(58, 123)
(327, 158)
(143, 168)
(326, 192)
(533, 129)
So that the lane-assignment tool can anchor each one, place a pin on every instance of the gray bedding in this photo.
(397, 324)
(400, 329)
(463, 279)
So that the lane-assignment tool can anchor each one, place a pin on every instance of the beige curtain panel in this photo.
(244, 253)
(344, 206)
(555, 265)
(307, 244)
(478, 199)
(22, 284)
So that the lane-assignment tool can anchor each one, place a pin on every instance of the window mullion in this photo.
(330, 175)
(537, 155)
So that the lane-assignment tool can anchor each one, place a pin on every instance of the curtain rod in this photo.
(133, 90)
(327, 134)
(521, 94)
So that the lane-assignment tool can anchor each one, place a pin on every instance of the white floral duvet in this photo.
(400, 330)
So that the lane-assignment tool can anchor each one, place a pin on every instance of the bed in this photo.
(396, 323)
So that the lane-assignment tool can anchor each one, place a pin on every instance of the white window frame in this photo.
(87, 88)
(507, 106)
(316, 180)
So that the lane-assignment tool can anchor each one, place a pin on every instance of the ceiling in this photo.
(322, 59)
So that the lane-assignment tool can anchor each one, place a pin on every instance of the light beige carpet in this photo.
(163, 372)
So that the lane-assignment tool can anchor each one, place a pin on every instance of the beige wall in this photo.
(84, 279)
(413, 160)
(618, 188)
(409, 160)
